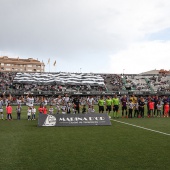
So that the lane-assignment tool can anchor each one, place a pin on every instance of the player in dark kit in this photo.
(141, 107)
(76, 104)
(124, 105)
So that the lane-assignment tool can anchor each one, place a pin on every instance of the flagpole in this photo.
(49, 67)
(49, 64)
(54, 64)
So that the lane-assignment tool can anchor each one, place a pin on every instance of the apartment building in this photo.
(20, 65)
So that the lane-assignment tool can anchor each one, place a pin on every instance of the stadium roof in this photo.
(150, 72)
(161, 71)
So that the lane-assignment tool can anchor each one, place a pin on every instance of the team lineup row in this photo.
(129, 106)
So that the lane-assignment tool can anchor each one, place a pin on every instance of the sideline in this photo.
(141, 127)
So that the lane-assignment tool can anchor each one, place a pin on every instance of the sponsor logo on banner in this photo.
(74, 119)
(50, 121)
(77, 119)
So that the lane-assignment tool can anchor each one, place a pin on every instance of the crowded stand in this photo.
(6, 80)
(160, 83)
(137, 83)
(85, 83)
(154, 83)
(113, 82)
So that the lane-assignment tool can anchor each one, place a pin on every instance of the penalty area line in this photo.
(156, 131)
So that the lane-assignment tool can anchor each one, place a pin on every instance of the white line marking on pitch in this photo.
(141, 127)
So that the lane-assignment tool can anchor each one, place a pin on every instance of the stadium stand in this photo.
(83, 83)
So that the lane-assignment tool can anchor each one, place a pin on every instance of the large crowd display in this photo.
(83, 83)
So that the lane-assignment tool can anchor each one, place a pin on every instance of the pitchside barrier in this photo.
(91, 119)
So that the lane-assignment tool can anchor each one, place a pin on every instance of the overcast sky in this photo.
(99, 36)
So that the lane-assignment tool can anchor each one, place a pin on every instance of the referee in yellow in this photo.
(116, 103)
(108, 104)
(101, 104)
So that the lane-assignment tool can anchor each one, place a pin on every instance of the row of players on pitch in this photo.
(130, 108)
(43, 109)
(155, 106)
(135, 107)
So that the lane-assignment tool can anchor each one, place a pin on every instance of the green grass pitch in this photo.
(24, 146)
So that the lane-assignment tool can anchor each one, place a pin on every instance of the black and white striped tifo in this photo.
(61, 78)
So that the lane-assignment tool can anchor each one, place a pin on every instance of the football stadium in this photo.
(84, 85)
(130, 141)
